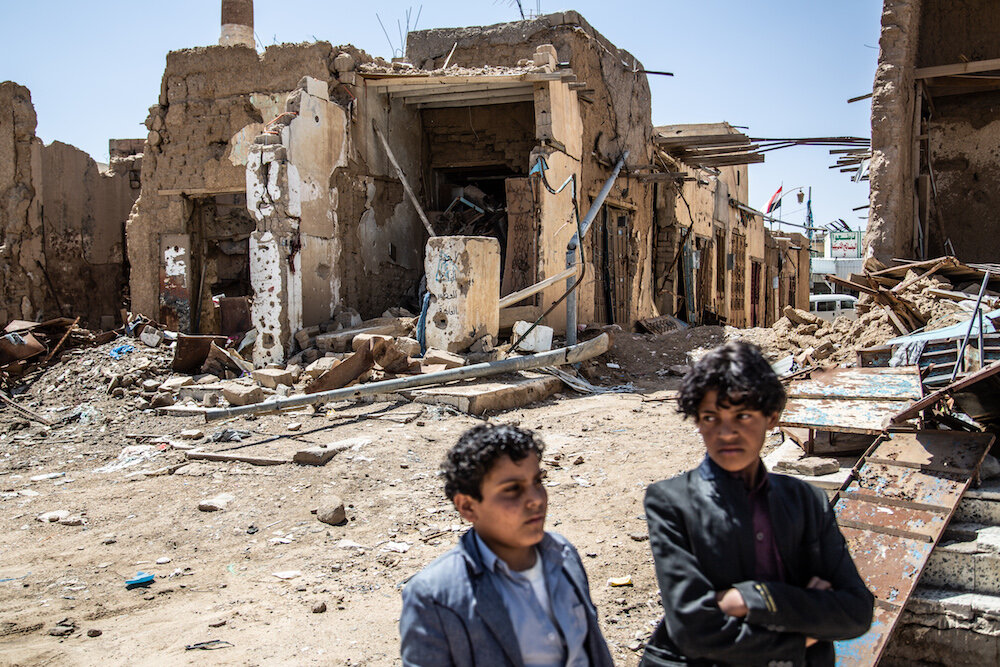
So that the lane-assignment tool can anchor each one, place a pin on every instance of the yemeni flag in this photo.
(774, 203)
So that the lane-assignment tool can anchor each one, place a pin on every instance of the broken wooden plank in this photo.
(520, 295)
(62, 340)
(957, 69)
(24, 411)
(197, 455)
(402, 179)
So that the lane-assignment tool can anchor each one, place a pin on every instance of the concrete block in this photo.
(539, 340)
(272, 377)
(242, 394)
(173, 384)
(315, 87)
(476, 397)
(320, 366)
(435, 357)
(341, 341)
(362, 339)
(810, 465)
(198, 392)
(463, 278)
(319, 455)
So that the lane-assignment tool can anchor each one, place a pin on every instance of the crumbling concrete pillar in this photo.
(237, 23)
(274, 200)
(463, 278)
(891, 214)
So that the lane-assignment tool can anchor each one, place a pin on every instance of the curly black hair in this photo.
(478, 450)
(740, 375)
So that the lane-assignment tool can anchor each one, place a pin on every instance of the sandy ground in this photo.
(220, 583)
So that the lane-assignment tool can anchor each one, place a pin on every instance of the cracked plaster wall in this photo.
(619, 118)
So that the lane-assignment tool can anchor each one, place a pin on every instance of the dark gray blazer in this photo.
(701, 534)
(453, 615)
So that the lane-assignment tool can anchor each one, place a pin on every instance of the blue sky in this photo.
(782, 68)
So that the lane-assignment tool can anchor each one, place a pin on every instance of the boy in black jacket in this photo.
(751, 565)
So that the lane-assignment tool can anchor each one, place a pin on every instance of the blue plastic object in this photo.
(141, 579)
(120, 351)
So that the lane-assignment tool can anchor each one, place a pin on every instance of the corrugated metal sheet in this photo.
(892, 512)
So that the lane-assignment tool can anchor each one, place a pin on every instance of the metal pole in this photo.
(574, 243)
(564, 355)
(972, 323)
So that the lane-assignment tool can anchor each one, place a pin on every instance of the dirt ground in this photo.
(220, 581)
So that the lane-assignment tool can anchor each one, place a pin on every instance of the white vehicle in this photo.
(829, 306)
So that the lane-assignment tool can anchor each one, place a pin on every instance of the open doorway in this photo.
(220, 228)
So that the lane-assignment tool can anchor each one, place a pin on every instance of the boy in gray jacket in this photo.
(509, 593)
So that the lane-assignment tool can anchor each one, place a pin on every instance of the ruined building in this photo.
(279, 188)
(935, 187)
(62, 217)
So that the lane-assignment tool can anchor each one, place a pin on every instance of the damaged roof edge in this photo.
(433, 43)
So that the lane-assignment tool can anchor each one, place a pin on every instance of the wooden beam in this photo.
(402, 179)
(195, 455)
(700, 140)
(478, 102)
(711, 151)
(957, 69)
(194, 192)
(459, 88)
(728, 160)
(446, 96)
(520, 295)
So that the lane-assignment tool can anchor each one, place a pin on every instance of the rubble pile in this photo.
(924, 296)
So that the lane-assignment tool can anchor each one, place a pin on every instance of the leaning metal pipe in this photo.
(574, 243)
(972, 323)
(564, 355)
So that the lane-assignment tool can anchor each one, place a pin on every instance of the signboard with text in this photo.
(845, 244)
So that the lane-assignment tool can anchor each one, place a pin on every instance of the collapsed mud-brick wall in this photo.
(890, 231)
(84, 211)
(615, 117)
(62, 236)
(22, 287)
(963, 132)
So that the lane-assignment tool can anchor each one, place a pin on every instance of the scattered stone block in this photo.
(150, 385)
(812, 466)
(801, 317)
(53, 516)
(161, 400)
(216, 504)
(173, 384)
(273, 377)
(332, 511)
(362, 339)
(538, 340)
(151, 336)
(241, 394)
(478, 396)
(320, 455)
(341, 341)
(320, 366)
(439, 357)
(192, 434)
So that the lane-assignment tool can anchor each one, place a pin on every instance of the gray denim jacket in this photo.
(453, 614)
